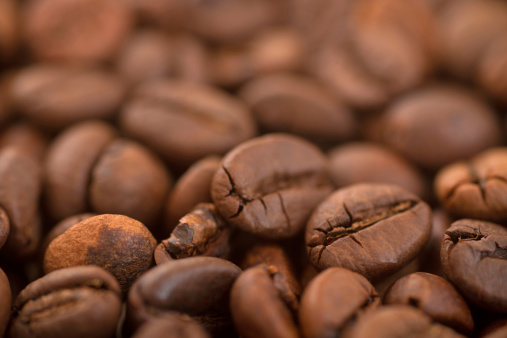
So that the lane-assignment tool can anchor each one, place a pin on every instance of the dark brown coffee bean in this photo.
(361, 162)
(477, 188)
(61, 227)
(399, 321)
(197, 286)
(334, 299)
(56, 96)
(440, 124)
(296, 104)
(26, 139)
(20, 187)
(9, 32)
(82, 301)
(201, 232)
(383, 285)
(372, 229)
(430, 256)
(5, 302)
(257, 306)
(269, 185)
(128, 179)
(276, 50)
(119, 244)
(185, 122)
(171, 325)
(77, 30)
(474, 258)
(435, 296)
(276, 259)
(192, 187)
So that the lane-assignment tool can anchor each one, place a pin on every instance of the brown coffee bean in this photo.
(334, 299)
(197, 286)
(5, 302)
(440, 124)
(192, 187)
(57, 96)
(82, 301)
(171, 325)
(492, 69)
(19, 196)
(474, 258)
(128, 179)
(119, 244)
(399, 321)
(77, 30)
(435, 296)
(383, 285)
(201, 232)
(185, 122)
(9, 32)
(295, 104)
(257, 307)
(26, 139)
(61, 227)
(372, 229)
(477, 188)
(361, 162)
(269, 185)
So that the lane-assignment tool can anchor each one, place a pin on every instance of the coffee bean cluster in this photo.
(253, 168)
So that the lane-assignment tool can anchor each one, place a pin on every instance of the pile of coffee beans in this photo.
(253, 168)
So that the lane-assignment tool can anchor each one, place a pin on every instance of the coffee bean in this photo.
(474, 258)
(77, 30)
(360, 162)
(9, 34)
(20, 187)
(372, 229)
(192, 187)
(171, 325)
(440, 124)
(26, 139)
(269, 185)
(477, 188)
(435, 296)
(5, 302)
(117, 243)
(197, 286)
(295, 104)
(61, 227)
(257, 306)
(57, 96)
(185, 122)
(82, 301)
(399, 321)
(383, 285)
(202, 232)
(491, 69)
(334, 299)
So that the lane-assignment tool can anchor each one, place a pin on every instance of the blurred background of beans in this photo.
(175, 114)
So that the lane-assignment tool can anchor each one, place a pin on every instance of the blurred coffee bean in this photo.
(9, 30)
(26, 139)
(171, 325)
(5, 302)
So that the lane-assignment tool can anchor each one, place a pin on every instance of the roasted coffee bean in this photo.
(492, 69)
(474, 258)
(82, 301)
(77, 30)
(5, 302)
(268, 186)
(399, 321)
(185, 122)
(171, 325)
(372, 229)
(117, 243)
(9, 33)
(299, 105)
(56, 96)
(202, 232)
(334, 299)
(26, 139)
(382, 285)
(477, 188)
(20, 186)
(361, 162)
(435, 296)
(197, 286)
(61, 227)
(258, 307)
(440, 124)
(88, 170)
(276, 50)
(192, 187)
